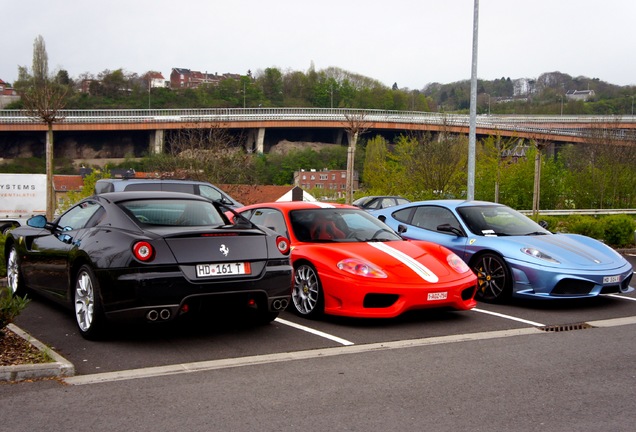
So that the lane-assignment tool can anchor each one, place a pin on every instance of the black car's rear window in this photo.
(173, 212)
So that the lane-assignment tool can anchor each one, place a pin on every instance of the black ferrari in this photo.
(152, 256)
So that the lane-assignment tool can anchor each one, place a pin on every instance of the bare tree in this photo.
(204, 152)
(43, 98)
(355, 125)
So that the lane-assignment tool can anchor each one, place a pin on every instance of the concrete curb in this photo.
(60, 367)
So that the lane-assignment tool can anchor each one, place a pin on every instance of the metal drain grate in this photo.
(565, 327)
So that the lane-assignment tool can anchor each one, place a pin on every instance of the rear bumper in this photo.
(134, 295)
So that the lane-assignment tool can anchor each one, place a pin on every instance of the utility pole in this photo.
(472, 132)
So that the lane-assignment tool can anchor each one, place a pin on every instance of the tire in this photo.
(14, 278)
(494, 283)
(307, 295)
(88, 310)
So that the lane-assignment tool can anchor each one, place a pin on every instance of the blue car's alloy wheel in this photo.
(493, 276)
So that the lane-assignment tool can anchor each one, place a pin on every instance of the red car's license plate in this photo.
(438, 296)
(223, 269)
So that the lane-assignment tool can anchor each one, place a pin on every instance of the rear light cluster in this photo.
(283, 245)
(143, 251)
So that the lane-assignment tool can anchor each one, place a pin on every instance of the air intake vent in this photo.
(565, 327)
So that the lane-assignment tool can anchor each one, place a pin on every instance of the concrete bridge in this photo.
(256, 122)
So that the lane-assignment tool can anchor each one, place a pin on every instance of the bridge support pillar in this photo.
(156, 141)
(339, 135)
(255, 140)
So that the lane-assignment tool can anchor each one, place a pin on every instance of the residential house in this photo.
(7, 94)
(181, 78)
(580, 95)
(334, 181)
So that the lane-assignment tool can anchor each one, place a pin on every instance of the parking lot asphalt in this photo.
(138, 347)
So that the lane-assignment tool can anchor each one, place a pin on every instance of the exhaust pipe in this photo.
(164, 314)
(152, 315)
(279, 304)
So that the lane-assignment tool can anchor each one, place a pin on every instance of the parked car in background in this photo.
(348, 263)
(194, 187)
(151, 256)
(379, 202)
(511, 254)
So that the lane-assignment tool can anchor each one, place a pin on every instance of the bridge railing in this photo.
(557, 125)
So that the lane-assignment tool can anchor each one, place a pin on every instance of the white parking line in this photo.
(621, 297)
(314, 331)
(532, 323)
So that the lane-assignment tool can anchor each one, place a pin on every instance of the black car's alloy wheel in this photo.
(88, 312)
(307, 293)
(493, 276)
(14, 280)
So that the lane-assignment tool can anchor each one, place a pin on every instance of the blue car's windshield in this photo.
(489, 220)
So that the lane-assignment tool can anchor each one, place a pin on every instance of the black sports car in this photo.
(149, 255)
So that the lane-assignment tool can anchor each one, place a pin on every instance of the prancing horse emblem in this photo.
(224, 250)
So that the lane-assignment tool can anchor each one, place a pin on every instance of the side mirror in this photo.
(449, 229)
(38, 221)
(401, 229)
(543, 224)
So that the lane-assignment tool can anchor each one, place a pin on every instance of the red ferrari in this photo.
(346, 262)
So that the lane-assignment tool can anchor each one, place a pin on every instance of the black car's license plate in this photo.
(223, 269)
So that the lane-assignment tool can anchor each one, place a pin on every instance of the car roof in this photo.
(295, 205)
(140, 195)
(450, 203)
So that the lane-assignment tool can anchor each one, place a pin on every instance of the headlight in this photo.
(536, 253)
(457, 263)
(361, 268)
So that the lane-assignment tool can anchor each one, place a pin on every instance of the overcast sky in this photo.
(408, 42)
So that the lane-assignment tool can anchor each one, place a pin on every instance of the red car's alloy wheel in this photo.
(307, 294)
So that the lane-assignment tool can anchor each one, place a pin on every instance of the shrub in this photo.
(10, 306)
(588, 226)
(619, 230)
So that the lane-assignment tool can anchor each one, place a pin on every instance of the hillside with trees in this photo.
(337, 88)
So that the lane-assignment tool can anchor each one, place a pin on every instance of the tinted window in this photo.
(173, 212)
(210, 193)
(143, 187)
(270, 218)
(77, 217)
(178, 187)
(430, 217)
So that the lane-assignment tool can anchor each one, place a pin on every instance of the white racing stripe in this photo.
(410, 262)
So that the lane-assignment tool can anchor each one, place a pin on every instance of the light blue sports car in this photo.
(510, 253)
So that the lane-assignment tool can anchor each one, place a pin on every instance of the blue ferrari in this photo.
(510, 253)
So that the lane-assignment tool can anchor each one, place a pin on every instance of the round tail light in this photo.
(283, 245)
(143, 251)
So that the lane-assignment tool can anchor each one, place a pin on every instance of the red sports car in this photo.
(349, 263)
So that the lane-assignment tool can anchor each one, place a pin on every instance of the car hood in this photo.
(570, 250)
(408, 262)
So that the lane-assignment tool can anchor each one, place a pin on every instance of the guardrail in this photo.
(593, 212)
